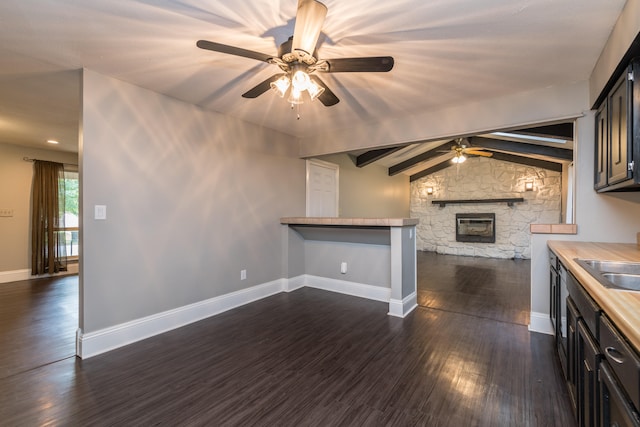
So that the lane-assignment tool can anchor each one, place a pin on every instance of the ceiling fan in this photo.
(298, 60)
(462, 146)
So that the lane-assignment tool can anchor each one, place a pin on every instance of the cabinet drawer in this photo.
(622, 358)
(585, 304)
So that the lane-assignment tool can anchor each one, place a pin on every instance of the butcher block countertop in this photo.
(353, 222)
(622, 307)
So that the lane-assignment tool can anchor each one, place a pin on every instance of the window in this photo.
(71, 213)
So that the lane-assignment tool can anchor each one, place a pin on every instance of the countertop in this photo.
(354, 222)
(622, 307)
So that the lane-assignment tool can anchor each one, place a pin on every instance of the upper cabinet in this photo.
(617, 156)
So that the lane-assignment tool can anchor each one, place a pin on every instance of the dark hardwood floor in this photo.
(38, 322)
(309, 357)
(497, 289)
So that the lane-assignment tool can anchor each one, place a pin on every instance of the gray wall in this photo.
(192, 198)
(366, 264)
(15, 193)
(370, 192)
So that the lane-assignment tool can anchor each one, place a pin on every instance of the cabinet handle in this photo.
(618, 358)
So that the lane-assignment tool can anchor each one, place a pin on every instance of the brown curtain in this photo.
(48, 239)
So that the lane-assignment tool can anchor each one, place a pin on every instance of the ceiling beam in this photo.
(433, 169)
(559, 131)
(512, 158)
(423, 157)
(371, 156)
(528, 161)
(521, 147)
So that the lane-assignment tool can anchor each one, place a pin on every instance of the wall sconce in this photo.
(528, 186)
(429, 191)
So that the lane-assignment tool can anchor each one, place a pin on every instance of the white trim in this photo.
(15, 275)
(25, 274)
(399, 308)
(327, 165)
(94, 343)
(294, 283)
(376, 293)
(540, 322)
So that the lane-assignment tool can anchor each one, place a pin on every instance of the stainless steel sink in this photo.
(613, 274)
(625, 281)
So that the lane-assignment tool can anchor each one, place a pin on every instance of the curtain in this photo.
(48, 238)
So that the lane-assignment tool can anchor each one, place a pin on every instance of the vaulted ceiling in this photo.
(446, 52)
(546, 147)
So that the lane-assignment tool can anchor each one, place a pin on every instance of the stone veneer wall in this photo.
(484, 178)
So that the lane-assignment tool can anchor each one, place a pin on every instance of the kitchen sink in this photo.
(613, 274)
(625, 281)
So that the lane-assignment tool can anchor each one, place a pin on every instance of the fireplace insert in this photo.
(476, 227)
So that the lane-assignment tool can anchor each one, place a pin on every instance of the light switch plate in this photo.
(100, 212)
(6, 213)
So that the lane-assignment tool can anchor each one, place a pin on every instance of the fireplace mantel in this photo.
(508, 201)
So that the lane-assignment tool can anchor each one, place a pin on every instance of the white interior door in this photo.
(322, 188)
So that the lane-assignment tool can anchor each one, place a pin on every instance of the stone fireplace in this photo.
(476, 227)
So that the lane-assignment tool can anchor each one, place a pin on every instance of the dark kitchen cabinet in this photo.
(588, 356)
(603, 370)
(619, 145)
(557, 306)
(572, 354)
(602, 138)
(617, 135)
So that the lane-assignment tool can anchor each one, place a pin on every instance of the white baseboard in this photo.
(15, 275)
(376, 293)
(294, 283)
(25, 274)
(94, 343)
(400, 308)
(540, 322)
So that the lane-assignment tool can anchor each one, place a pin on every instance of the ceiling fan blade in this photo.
(309, 20)
(375, 64)
(327, 97)
(478, 153)
(261, 88)
(232, 50)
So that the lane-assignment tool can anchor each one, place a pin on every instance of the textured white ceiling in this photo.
(446, 52)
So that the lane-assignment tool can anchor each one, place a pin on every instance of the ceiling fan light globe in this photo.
(295, 97)
(314, 90)
(280, 86)
(300, 80)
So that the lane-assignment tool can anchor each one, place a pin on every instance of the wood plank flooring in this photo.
(498, 289)
(308, 357)
(38, 322)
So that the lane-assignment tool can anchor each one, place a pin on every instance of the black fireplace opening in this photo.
(476, 227)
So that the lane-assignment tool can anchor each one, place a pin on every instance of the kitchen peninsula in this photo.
(373, 258)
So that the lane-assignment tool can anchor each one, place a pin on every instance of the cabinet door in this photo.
(618, 153)
(602, 139)
(588, 393)
(572, 355)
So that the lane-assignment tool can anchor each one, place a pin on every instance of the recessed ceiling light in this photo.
(52, 141)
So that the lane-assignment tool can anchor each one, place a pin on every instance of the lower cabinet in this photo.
(603, 370)
(615, 409)
(588, 355)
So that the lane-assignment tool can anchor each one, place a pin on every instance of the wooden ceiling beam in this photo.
(369, 157)
(423, 157)
(521, 147)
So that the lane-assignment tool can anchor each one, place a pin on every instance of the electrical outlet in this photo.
(343, 267)
(7, 213)
(243, 274)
